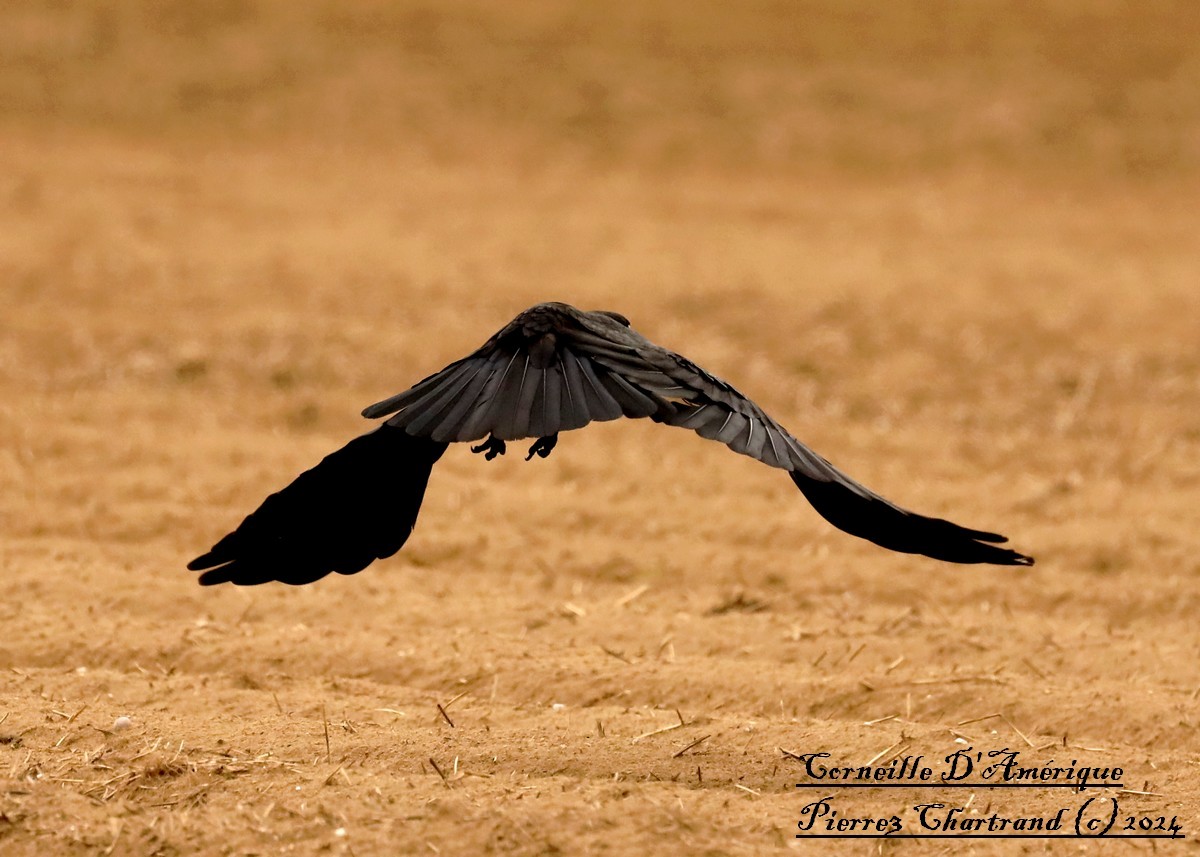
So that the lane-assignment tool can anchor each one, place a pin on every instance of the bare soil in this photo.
(952, 246)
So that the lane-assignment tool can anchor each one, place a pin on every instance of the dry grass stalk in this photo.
(325, 726)
(632, 595)
(695, 743)
(615, 654)
(1024, 738)
(445, 781)
(878, 720)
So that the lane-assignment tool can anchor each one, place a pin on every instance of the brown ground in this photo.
(952, 246)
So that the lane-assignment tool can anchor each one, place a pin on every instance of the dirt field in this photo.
(953, 246)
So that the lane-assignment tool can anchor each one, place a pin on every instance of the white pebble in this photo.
(341, 831)
(558, 706)
(121, 724)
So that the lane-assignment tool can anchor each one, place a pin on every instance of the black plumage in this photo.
(551, 369)
(357, 505)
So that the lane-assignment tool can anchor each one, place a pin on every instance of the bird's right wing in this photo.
(692, 398)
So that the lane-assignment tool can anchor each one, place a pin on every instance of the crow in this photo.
(551, 369)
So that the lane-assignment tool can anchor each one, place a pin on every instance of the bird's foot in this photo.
(490, 448)
(542, 446)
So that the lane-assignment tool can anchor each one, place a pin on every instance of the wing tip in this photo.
(870, 517)
(202, 562)
(987, 554)
(214, 576)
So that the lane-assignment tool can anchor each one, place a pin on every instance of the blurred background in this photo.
(940, 216)
(952, 245)
(1089, 89)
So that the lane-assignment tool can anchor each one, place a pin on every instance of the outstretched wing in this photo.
(716, 410)
(357, 505)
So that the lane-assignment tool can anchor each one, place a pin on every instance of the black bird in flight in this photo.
(551, 369)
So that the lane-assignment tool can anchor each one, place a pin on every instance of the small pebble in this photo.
(121, 724)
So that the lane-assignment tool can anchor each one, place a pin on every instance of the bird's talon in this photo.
(491, 447)
(542, 446)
